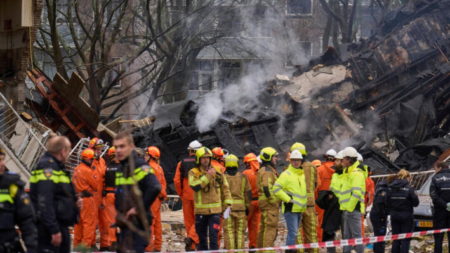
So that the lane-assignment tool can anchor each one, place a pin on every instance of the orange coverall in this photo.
(370, 192)
(155, 228)
(254, 214)
(108, 202)
(99, 167)
(187, 199)
(84, 180)
(324, 172)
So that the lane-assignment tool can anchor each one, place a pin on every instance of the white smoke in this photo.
(209, 111)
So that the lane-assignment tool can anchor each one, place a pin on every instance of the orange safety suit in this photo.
(325, 173)
(216, 164)
(99, 167)
(181, 182)
(370, 192)
(85, 183)
(109, 199)
(254, 215)
(156, 228)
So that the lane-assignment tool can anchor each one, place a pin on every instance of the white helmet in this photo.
(296, 154)
(331, 153)
(195, 145)
(339, 155)
(360, 158)
(350, 152)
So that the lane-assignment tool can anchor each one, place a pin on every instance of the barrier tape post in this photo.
(329, 244)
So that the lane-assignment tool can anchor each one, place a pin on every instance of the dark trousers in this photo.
(379, 229)
(329, 236)
(441, 220)
(10, 242)
(128, 241)
(45, 240)
(401, 223)
(203, 223)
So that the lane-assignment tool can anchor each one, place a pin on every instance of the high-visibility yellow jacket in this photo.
(312, 181)
(353, 189)
(292, 185)
(211, 193)
(267, 175)
(241, 191)
(336, 182)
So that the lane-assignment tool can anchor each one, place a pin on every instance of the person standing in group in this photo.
(211, 197)
(370, 190)
(53, 196)
(152, 156)
(217, 162)
(135, 182)
(268, 202)
(108, 193)
(401, 199)
(253, 218)
(440, 194)
(181, 182)
(234, 227)
(290, 187)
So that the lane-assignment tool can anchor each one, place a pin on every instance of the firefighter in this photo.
(309, 217)
(108, 194)
(440, 194)
(268, 203)
(254, 215)
(152, 155)
(85, 183)
(316, 163)
(212, 196)
(50, 183)
(352, 198)
(181, 182)
(370, 190)
(290, 187)
(325, 173)
(241, 193)
(217, 158)
(133, 171)
(15, 208)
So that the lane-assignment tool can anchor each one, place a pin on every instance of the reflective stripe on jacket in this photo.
(353, 189)
(267, 176)
(240, 191)
(292, 185)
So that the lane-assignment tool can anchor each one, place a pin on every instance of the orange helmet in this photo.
(317, 163)
(250, 157)
(87, 154)
(96, 143)
(153, 152)
(217, 152)
(112, 151)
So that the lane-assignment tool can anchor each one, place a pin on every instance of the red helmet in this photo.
(250, 157)
(112, 151)
(87, 154)
(96, 143)
(217, 152)
(153, 152)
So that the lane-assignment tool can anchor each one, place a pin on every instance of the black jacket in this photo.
(440, 189)
(401, 197)
(52, 194)
(19, 212)
(379, 200)
(332, 217)
(146, 180)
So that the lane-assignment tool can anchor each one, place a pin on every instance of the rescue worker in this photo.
(379, 213)
(241, 193)
(217, 158)
(212, 196)
(133, 171)
(325, 173)
(99, 167)
(15, 208)
(316, 163)
(401, 200)
(440, 194)
(351, 198)
(267, 201)
(181, 182)
(53, 196)
(108, 193)
(370, 190)
(254, 214)
(152, 155)
(309, 218)
(85, 183)
(290, 187)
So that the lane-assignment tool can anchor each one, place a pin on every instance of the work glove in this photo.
(448, 207)
(247, 212)
(104, 193)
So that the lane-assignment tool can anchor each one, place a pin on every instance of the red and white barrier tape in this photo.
(330, 244)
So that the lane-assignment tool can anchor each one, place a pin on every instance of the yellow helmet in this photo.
(300, 147)
(202, 152)
(231, 161)
(267, 154)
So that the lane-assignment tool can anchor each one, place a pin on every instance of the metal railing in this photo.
(19, 137)
(75, 153)
(417, 178)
